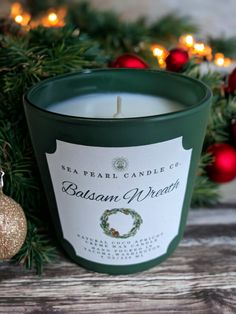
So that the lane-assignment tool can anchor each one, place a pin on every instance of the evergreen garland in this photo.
(90, 40)
(24, 61)
(225, 45)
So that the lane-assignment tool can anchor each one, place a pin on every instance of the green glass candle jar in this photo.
(118, 150)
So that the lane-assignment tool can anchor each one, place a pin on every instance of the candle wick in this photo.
(119, 104)
(118, 113)
(1, 178)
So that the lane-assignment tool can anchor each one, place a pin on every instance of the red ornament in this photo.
(223, 168)
(176, 59)
(233, 130)
(128, 60)
(231, 87)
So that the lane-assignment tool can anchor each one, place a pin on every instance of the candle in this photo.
(118, 151)
(105, 106)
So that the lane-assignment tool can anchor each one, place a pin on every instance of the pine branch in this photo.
(227, 46)
(206, 192)
(16, 159)
(115, 36)
(64, 51)
(41, 53)
(171, 27)
(9, 27)
(212, 79)
(223, 112)
(37, 250)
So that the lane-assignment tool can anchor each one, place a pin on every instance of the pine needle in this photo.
(37, 250)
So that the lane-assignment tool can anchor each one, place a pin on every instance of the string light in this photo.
(160, 53)
(19, 15)
(56, 18)
(201, 50)
(187, 40)
(221, 61)
(16, 9)
(52, 18)
(19, 19)
(199, 47)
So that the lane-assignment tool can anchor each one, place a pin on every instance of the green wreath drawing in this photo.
(108, 230)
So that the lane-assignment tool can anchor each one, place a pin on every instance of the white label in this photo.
(120, 205)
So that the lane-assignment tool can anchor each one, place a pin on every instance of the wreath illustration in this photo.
(108, 230)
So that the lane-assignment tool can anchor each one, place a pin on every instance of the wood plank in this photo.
(200, 277)
(220, 215)
(196, 280)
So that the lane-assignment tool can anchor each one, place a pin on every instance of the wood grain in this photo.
(200, 277)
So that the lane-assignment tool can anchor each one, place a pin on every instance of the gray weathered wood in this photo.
(200, 277)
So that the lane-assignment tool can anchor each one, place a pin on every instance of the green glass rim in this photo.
(34, 92)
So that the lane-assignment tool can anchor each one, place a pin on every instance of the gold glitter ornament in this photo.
(13, 225)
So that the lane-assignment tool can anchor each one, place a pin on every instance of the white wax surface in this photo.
(105, 106)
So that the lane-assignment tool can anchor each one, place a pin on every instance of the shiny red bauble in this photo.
(231, 87)
(223, 167)
(129, 60)
(176, 59)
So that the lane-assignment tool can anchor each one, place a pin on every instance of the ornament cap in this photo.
(1, 178)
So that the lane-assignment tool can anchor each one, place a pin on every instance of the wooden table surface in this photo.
(200, 277)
